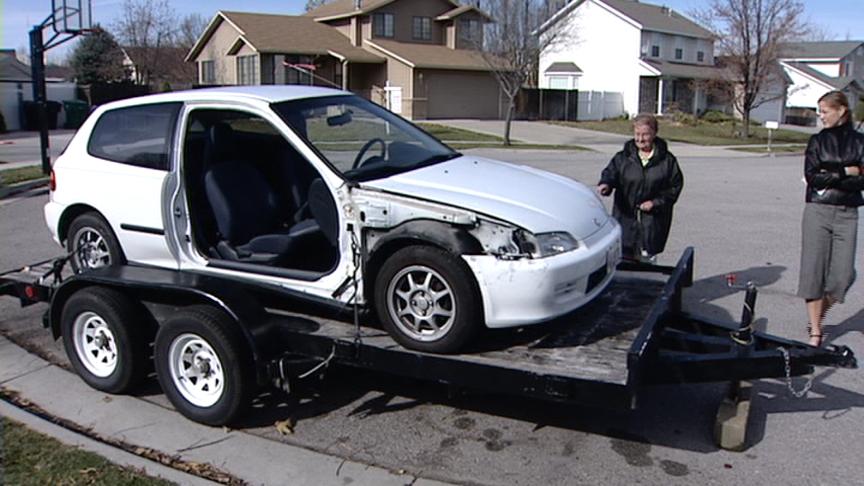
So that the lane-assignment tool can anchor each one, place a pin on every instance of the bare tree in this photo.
(145, 29)
(190, 29)
(749, 35)
(511, 45)
(313, 4)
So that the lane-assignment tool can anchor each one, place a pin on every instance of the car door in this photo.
(260, 139)
(128, 161)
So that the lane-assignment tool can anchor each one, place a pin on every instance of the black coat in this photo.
(660, 181)
(828, 153)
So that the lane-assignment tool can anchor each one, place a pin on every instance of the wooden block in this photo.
(730, 426)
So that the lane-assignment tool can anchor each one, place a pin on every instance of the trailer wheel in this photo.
(92, 243)
(427, 299)
(104, 333)
(203, 367)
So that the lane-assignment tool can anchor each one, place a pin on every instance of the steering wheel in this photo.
(358, 161)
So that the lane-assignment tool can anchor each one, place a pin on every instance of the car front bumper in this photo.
(529, 291)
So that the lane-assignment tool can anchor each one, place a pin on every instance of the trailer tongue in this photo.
(633, 336)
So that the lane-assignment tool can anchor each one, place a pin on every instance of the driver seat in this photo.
(249, 216)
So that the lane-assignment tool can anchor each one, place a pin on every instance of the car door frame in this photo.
(190, 258)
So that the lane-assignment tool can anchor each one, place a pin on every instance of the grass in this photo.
(516, 146)
(446, 133)
(28, 457)
(20, 174)
(702, 133)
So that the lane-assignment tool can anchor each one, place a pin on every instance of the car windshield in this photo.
(360, 139)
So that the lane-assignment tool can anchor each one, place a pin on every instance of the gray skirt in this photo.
(828, 238)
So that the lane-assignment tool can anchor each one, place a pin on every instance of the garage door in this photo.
(459, 94)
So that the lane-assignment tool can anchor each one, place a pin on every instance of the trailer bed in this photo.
(591, 343)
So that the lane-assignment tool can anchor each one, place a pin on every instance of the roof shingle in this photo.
(278, 34)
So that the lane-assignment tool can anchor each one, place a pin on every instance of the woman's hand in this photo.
(646, 206)
(852, 170)
(603, 189)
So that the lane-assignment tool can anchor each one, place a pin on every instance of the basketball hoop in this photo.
(71, 16)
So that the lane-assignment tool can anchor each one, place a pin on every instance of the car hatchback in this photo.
(330, 197)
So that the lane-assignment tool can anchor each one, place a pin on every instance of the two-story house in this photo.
(639, 57)
(815, 68)
(418, 57)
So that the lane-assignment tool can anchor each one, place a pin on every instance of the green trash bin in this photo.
(76, 113)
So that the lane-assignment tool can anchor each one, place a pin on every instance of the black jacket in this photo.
(660, 181)
(828, 153)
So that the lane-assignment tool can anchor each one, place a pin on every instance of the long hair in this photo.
(837, 99)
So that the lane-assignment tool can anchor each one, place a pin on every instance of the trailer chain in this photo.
(788, 368)
(355, 253)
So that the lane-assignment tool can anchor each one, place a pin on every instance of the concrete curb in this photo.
(113, 454)
(11, 190)
(140, 423)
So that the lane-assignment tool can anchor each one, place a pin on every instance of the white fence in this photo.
(598, 105)
(13, 94)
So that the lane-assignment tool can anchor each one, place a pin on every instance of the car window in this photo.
(137, 135)
(361, 140)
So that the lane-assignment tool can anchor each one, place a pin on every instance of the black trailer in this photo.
(633, 336)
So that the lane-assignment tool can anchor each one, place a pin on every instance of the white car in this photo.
(329, 196)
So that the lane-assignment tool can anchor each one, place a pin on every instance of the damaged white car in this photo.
(328, 196)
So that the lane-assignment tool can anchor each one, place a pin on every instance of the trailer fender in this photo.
(181, 289)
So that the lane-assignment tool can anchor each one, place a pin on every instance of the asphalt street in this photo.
(741, 214)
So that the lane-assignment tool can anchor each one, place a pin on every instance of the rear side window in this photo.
(140, 135)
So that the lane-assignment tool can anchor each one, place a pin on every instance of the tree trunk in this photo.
(745, 125)
(511, 107)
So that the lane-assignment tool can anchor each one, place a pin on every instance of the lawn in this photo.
(28, 457)
(702, 133)
(449, 134)
(20, 174)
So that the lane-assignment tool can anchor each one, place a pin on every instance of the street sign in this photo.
(772, 125)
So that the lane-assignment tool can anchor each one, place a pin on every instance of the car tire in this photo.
(427, 299)
(105, 334)
(92, 244)
(204, 368)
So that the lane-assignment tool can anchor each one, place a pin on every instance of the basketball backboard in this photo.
(71, 16)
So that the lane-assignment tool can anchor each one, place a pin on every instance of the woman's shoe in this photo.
(815, 338)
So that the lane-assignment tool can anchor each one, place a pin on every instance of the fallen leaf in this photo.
(285, 427)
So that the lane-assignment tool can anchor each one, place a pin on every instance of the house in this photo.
(814, 68)
(16, 88)
(632, 56)
(414, 56)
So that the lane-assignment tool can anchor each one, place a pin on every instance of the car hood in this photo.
(533, 199)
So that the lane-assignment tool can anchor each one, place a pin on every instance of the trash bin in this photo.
(31, 114)
(76, 113)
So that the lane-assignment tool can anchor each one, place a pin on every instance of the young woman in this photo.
(833, 171)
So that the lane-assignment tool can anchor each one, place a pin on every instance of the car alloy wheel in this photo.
(420, 301)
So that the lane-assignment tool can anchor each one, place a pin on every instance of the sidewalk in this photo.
(538, 132)
(140, 424)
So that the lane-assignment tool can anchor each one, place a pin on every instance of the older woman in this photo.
(833, 171)
(647, 181)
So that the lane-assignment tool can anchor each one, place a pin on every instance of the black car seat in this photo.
(249, 216)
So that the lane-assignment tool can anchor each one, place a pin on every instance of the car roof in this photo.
(269, 94)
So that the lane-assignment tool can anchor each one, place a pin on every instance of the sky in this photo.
(840, 19)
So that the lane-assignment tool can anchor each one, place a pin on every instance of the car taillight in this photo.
(52, 182)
